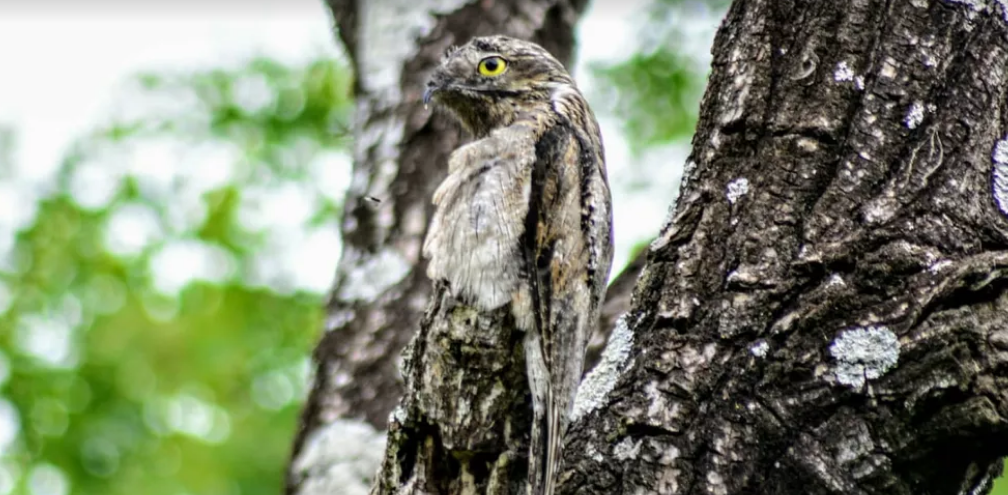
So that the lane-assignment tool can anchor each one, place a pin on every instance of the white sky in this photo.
(64, 67)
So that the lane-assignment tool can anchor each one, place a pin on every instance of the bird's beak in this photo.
(435, 84)
(428, 94)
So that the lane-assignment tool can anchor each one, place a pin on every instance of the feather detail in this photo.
(525, 217)
(473, 239)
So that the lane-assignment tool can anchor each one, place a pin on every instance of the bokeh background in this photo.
(170, 188)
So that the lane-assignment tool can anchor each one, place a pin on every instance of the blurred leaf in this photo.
(1001, 484)
(657, 94)
(121, 386)
(656, 91)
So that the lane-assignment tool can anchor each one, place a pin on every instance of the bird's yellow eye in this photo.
(492, 66)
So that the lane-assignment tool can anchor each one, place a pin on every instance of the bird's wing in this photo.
(569, 248)
(480, 209)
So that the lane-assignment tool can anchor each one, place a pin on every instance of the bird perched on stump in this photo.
(525, 217)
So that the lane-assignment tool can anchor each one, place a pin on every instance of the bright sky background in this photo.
(64, 73)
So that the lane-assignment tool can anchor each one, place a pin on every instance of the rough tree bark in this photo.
(825, 313)
(827, 310)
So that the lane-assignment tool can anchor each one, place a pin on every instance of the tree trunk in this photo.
(826, 312)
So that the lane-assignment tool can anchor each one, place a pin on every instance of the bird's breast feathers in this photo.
(473, 241)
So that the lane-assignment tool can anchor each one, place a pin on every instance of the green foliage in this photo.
(657, 93)
(657, 90)
(1001, 484)
(121, 384)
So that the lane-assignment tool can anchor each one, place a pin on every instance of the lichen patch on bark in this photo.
(595, 388)
(864, 353)
(999, 177)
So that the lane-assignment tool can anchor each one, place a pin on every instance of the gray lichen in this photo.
(760, 348)
(627, 449)
(864, 353)
(736, 189)
(593, 453)
(340, 457)
(835, 280)
(595, 388)
(1000, 175)
(914, 116)
(843, 72)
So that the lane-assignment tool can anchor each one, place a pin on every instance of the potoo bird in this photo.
(525, 217)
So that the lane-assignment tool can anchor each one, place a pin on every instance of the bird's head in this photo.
(489, 80)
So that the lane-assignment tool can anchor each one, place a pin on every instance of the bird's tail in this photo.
(554, 440)
(545, 447)
(542, 410)
(537, 458)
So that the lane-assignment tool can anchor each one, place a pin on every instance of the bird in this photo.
(524, 217)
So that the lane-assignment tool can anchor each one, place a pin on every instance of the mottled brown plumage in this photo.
(524, 217)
